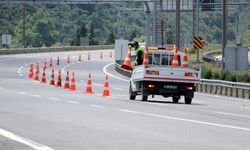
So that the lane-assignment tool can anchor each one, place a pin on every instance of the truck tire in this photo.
(132, 95)
(176, 99)
(188, 100)
(144, 97)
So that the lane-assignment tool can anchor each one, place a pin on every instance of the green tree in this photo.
(80, 32)
(111, 38)
(92, 40)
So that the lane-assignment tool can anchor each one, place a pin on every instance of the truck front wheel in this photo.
(188, 100)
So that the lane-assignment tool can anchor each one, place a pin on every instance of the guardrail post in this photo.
(226, 91)
(205, 88)
(211, 89)
(231, 91)
(243, 93)
(237, 92)
(216, 89)
(221, 90)
(249, 94)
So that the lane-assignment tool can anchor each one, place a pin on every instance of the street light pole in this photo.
(224, 33)
(24, 28)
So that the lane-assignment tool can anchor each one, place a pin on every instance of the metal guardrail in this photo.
(53, 49)
(217, 87)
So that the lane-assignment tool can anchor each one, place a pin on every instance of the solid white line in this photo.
(186, 120)
(23, 93)
(106, 72)
(231, 114)
(97, 106)
(30, 143)
(54, 99)
(72, 102)
(36, 95)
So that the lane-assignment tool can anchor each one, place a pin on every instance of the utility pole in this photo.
(224, 33)
(155, 22)
(147, 24)
(24, 28)
(177, 31)
(197, 27)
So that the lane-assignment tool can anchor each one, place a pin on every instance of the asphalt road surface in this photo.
(38, 116)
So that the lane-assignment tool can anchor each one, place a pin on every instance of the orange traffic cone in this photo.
(66, 84)
(52, 81)
(89, 85)
(68, 61)
(89, 56)
(185, 59)
(45, 64)
(58, 61)
(101, 55)
(175, 62)
(80, 57)
(43, 76)
(31, 71)
(72, 85)
(59, 79)
(110, 54)
(106, 87)
(51, 63)
(145, 58)
(37, 67)
(126, 64)
(36, 77)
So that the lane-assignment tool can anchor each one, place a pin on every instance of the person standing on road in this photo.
(139, 52)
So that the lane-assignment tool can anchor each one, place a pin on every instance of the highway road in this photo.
(42, 117)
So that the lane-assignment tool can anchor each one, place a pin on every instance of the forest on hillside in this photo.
(52, 25)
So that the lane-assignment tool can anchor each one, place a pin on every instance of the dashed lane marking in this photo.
(72, 102)
(185, 120)
(119, 89)
(246, 107)
(23, 93)
(54, 99)
(97, 106)
(30, 143)
(36, 95)
(231, 114)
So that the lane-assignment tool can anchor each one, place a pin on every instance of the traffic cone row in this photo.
(89, 85)
(72, 85)
(52, 81)
(30, 75)
(175, 62)
(106, 87)
(43, 76)
(146, 57)
(66, 84)
(185, 59)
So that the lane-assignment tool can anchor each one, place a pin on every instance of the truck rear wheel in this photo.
(132, 94)
(176, 99)
(188, 100)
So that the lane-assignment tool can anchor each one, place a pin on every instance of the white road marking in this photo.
(36, 95)
(18, 72)
(106, 72)
(231, 114)
(246, 107)
(30, 143)
(21, 67)
(159, 104)
(119, 89)
(97, 84)
(97, 106)
(20, 75)
(186, 120)
(72, 102)
(54, 99)
(23, 93)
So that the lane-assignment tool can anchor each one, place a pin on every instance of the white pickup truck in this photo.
(160, 78)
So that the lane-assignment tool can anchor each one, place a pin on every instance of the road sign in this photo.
(198, 42)
(6, 39)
